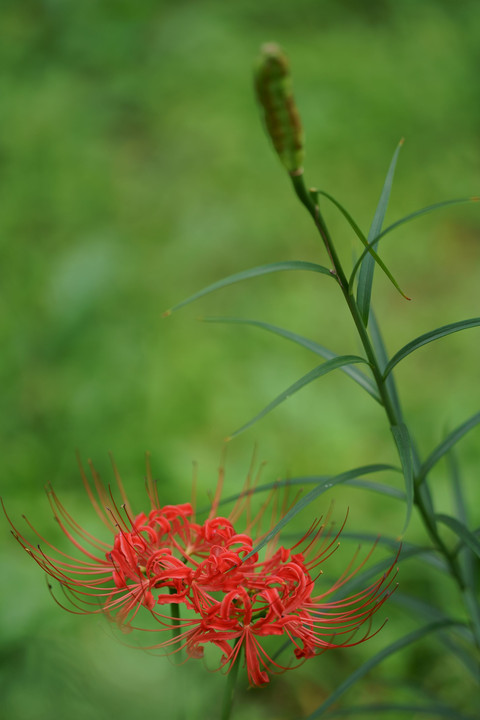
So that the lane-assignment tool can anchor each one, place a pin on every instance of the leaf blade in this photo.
(407, 218)
(356, 375)
(446, 445)
(411, 708)
(461, 530)
(317, 372)
(378, 658)
(365, 242)
(365, 277)
(405, 451)
(251, 273)
(313, 480)
(428, 338)
(313, 494)
(382, 356)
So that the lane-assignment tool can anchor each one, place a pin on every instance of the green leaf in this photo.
(378, 488)
(365, 278)
(362, 579)
(317, 372)
(378, 658)
(402, 221)
(459, 498)
(425, 554)
(288, 482)
(253, 272)
(404, 446)
(368, 248)
(419, 608)
(365, 382)
(424, 211)
(409, 550)
(467, 560)
(470, 598)
(382, 357)
(446, 445)
(314, 480)
(412, 709)
(429, 337)
(461, 530)
(313, 494)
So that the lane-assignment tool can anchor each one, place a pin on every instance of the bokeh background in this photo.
(133, 171)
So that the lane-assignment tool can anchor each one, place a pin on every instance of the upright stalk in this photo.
(175, 609)
(307, 199)
(230, 686)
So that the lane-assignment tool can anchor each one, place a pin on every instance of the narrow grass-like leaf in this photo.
(446, 445)
(425, 495)
(382, 358)
(412, 709)
(424, 554)
(406, 219)
(313, 494)
(253, 272)
(378, 658)
(275, 485)
(365, 277)
(362, 579)
(467, 559)
(471, 600)
(458, 495)
(429, 337)
(313, 480)
(419, 608)
(378, 488)
(363, 380)
(368, 247)
(404, 446)
(317, 372)
(461, 530)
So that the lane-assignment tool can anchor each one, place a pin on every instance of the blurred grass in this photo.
(133, 171)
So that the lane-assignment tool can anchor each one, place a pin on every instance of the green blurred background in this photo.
(133, 171)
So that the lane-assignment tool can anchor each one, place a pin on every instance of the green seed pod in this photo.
(273, 84)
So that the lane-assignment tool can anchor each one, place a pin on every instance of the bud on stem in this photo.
(273, 84)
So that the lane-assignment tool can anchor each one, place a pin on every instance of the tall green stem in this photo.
(393, 418)
(175, 608)
(230, 687)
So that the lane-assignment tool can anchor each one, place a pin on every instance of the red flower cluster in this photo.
(225, 594)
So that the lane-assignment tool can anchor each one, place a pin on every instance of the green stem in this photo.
(230, 687)
(393, 417)
(306, 198)
(175, 609)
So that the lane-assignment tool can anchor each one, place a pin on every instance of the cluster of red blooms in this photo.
(230, 597)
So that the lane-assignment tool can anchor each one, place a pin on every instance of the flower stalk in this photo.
(230, 686)
(394, 419)
(273, 71)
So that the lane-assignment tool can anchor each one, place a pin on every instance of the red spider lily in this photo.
(230, 597)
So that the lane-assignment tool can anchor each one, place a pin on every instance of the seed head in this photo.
(273, 85)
